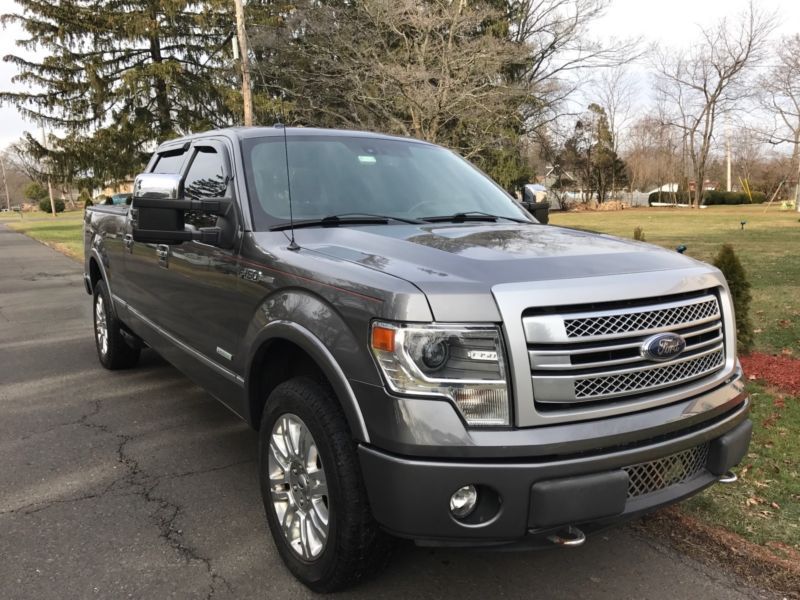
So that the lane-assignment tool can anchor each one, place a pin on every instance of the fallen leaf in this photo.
(775, 505)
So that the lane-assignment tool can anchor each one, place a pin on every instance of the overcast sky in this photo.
(671, 22)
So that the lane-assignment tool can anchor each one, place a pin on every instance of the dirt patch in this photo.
(775, 567)
(781, 372)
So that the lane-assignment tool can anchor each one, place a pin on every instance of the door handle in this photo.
(162, 251)
(128, 241)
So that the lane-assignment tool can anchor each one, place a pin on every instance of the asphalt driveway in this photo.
(137, 484)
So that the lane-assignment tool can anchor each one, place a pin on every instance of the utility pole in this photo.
(241, 34)
(49, 183)
(728, 150)
(5, 181)
(797, 187)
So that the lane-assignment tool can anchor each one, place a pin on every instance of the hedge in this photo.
(44, 205)
(710, 198)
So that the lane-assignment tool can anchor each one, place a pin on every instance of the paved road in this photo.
(137, 484)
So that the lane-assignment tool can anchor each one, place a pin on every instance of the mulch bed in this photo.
(781, 372)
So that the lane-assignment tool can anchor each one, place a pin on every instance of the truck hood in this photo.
(456, 265)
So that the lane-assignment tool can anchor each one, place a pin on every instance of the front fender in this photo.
(313, 325)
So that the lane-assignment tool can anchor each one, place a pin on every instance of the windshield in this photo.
(363, 175)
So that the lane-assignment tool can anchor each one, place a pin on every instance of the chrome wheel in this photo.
(298, 487)
(100, 325)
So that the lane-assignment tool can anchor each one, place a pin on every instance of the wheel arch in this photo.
(284, 349)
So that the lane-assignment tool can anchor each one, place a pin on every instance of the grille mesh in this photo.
(625, 383)
(646, 478)
(641, 321)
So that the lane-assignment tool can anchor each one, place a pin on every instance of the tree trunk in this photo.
(160, 86)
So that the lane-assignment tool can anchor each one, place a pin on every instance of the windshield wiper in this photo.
(374, 216)
(343, 219)
(473, 215)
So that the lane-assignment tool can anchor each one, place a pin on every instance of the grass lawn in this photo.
(765, 505)
(64, 232)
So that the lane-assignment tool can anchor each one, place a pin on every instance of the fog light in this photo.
(463, 501)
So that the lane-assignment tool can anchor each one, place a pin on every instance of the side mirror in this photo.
(159, 206)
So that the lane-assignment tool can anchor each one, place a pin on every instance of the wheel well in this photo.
(275, 362)
(95, 274)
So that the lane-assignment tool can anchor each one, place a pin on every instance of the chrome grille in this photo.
(627, 322)
(646, 379)
(648, 477)
(580, 357)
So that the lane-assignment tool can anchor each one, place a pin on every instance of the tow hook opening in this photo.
(569, 537)
(729, 477)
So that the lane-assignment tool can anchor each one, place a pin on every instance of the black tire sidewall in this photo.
(326, 427)
(119, 355)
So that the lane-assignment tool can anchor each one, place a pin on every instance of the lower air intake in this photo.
(646, 478)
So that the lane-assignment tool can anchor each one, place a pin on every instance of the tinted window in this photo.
(170, 163)
(340, 175)
(207, 178)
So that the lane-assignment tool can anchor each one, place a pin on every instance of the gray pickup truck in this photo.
(422, 358)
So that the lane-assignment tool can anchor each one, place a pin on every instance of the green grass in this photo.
(64, 232)
(768, 248)
(764, 505)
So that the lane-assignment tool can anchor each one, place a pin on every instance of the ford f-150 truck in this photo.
(421, 357)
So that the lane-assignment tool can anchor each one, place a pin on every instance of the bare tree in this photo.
(782, 98)
(560, 50)
(652, 154)
(615, 90)
(706, 81)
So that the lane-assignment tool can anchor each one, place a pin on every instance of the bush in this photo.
(727, 262)
(35, 192)
(44, 205)
(638, 234)
(710, 198)
(713, 197)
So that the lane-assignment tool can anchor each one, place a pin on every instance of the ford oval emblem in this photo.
(663, 346)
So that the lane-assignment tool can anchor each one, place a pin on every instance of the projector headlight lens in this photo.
(463, 363)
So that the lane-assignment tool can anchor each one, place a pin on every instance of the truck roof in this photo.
(277, 130)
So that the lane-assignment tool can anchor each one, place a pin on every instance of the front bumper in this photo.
(410, 496)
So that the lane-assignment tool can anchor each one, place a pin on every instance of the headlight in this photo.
(463, 363)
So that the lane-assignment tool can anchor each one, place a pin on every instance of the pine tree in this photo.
(120, 76)
(727, 262)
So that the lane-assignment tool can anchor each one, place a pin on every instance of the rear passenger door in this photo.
(140, 259)
(199, 282)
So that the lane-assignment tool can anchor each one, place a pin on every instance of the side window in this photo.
(170, 162)
(207, 178)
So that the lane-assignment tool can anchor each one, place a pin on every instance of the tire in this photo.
(112, 349)
(353, 547)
